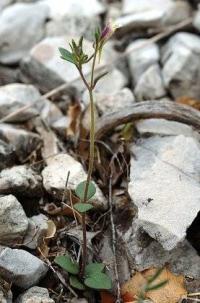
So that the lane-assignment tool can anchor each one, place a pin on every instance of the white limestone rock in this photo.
(141, 57)
(17, 95)
(21, 268)
(60, 8)
(35, 295)
(22, 141)
(55, 176)
(20, 180)
(13, 221)
(156, 13)
(16, 19)
(150, 85)
(165, 128)
(181, 70)
(164, 185)
(36, 231)
(111, 102)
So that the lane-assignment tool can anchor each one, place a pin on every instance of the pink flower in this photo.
(107, 32)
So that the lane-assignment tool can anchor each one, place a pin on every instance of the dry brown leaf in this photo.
(189, 101)
(172, 292)
(51, 231)
(74, 114)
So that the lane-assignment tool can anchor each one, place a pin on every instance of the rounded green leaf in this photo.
(93, 268)
(74, 282)
(98, 280)
(67, 264)
(83, 207)
(80, 190)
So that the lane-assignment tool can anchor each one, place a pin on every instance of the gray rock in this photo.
(4, 3)
(111, 102)
(196, 21)
(155, 14)
(61, 125)
(20, 180)
(26, 18)
(7, 155)
(180, 54)
(142, 57)
(23, 142)
(15, 96)
(60, 8)
(21, 268)
(147, 252)
(73, 26)
(165, 128)
(36, 232)
(150, 85)
(164, 178)
(13, 220)
(44, 59)
(35, 295)
(55, 176)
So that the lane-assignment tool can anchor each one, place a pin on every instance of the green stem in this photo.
(91, 158)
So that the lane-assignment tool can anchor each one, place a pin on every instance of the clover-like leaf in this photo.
(93, 268)
(67, 264)
(83, 207)
(66, 55)
(74, 282)
(80, 190)
(98, 280)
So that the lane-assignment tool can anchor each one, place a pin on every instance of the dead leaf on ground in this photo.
(172, 292)
(51, 231)
(189, 101)
(74, 114)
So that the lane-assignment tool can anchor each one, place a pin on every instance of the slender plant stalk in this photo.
(90, 88)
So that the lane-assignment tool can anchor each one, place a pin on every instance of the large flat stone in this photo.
(164, 185)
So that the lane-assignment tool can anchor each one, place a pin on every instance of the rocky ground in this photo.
(151, 166)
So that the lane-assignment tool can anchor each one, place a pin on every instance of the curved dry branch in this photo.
(149, 109)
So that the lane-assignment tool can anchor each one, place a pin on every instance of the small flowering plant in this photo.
(84, 275)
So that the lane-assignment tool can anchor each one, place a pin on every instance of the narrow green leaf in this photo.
(99, 78)
(98, 281)
(93, 268)
(74, 282)
(155, 276)
(157, 286)
(67, 264)
(66, 55)
(83, 207)
(80, 190)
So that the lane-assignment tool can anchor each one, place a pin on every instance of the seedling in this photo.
(86, 275)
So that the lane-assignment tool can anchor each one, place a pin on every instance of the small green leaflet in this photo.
(66, 55)
(98, 280)
(83, 207)
(93, 268)
(80, 190)
(74, 282)
(67, 264)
